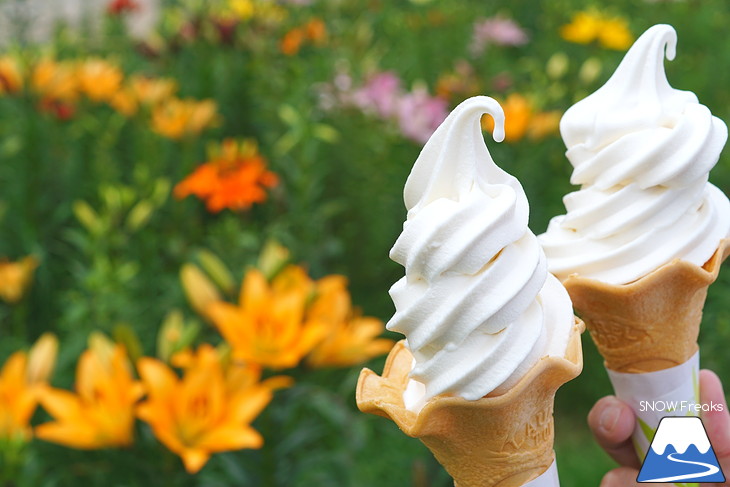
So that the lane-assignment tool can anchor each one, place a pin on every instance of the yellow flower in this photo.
(151, 91)
(583, 29)
(544, 124)
(99, 79)
(11, 78)
(269, 325)
(20, 379)
(588, 26)
(176, 118)
(351, 339)
(55, 80)
(209, 410)
(242, 9)
(615, 34)
(15, 278)
(101, 413)
(125, 102)
(270, 12)
(203, 114)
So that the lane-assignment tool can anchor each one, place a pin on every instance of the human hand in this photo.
(612, 423)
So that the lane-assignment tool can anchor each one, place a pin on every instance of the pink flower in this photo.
(380, 94)
(419, 114)
(496, 30)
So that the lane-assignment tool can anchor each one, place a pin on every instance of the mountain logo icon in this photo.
(680, 451)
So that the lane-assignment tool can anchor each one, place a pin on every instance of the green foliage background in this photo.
(338, 209)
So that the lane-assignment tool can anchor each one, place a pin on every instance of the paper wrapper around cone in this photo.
(501, 441)
(650, 324)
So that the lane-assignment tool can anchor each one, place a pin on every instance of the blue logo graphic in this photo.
(680, 451)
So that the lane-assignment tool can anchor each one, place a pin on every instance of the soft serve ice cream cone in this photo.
(645, 235)
(490, 335)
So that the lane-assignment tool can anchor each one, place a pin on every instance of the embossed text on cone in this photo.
(500, 441)
(650, 324)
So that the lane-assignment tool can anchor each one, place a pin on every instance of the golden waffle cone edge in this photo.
(500, 441)
(652, 323)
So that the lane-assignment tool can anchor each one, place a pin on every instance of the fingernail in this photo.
(609, 418)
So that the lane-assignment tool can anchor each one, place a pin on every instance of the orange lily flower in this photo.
(544, 124)
(517, 113)
(269, 326)
(520, 119)
(124, 102)
(292, 41)
(176, 118)
(15, 278)
(461, 82)
(55, 80)
(101, 413)
(235, 178)
(150, 91)
(352, 339)
(99, 79)
(209, 410)
(316, 31)
(239, 375)
(11, 79)
(20, 379)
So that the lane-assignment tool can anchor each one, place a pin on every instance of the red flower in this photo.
(118, 7)
(62, 110)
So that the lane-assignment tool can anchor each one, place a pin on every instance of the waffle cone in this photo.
(650, 324)
(501, 441)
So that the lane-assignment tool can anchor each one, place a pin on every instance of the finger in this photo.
(717, 422)
(612, 423)
(623, 477)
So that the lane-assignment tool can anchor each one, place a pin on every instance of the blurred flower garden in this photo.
(196, 224)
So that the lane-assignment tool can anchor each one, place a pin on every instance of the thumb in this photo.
(623, 477)
(717, 421)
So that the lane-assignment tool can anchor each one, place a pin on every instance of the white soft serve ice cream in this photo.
(477, 304)
(641, 152)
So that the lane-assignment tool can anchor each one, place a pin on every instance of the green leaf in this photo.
(648, 431)
(125, 334)
(289, 115)
(326, 133)
(161, 191)
(217, 270)
(89, 218)
(139, 215)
